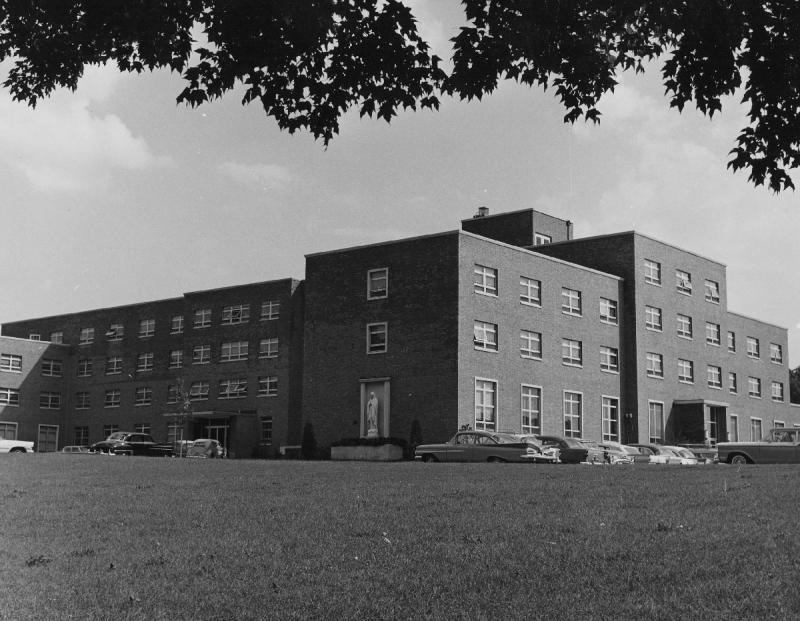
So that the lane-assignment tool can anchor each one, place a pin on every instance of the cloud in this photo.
(63, 146)
(267, 176)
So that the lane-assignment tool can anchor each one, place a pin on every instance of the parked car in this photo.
(781, 446)
(482, 446)
(594, 454)
(75, 449)
(664, 454)
(130, 443)
(206, 448)
(616, 453)
(181, 448)
(570, 450)
(15, 446)
(706, 454)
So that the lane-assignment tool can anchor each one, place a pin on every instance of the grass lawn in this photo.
(95, 537)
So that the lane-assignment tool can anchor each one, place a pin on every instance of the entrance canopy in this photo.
(699, 421)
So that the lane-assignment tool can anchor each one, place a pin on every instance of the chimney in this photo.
(482, 212)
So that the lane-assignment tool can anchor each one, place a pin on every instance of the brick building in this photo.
(508, 323)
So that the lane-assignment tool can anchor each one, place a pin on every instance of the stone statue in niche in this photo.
(372, 416)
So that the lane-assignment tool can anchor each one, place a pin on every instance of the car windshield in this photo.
(201, 443)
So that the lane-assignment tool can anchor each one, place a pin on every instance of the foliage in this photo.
(794, 385)
(241, 539)
(308, 443)
(307, 63)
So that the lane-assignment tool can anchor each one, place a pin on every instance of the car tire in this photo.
(17, 449)
(738, 460)
(428, 459)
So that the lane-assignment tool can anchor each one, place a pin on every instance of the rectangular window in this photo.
(115, 332)
(142, 428)
(608, 311)
(8, 431)
(609, 359)
(655, 365)
(530, 291)
(11, 363)
(236, 314)
(147, 328)
(198, 391)
(485, 404)
(485, 279)
(176, 324)
(82, 400)
(733, 428)
(143, 396)
(571, 352)
(485, 336)
(56, 337)
(753, 347)
(202, 318)
(652, 318)
(9, 396)
(530, 344)
(109, 429)
(540, 239)
(754, 387)
(268, 348)
(775, 353)
(378, 284)
(268, 386)
(573, 414)
(377, 338)
(35, 336)
(86, 336)
(531, 409)
(233, 388)
(84, 368)
(235, 350)
(684, 326)
(266, 431)
(270, 310)
(81, 436)
(779, 424)
(732, 342)
(712, 334)
(652, 272)
(733, 383)
(686, 371)
(712, 291)
(756, 433)
(610, 409)
(777, 391)
(173, 393)
(201, 354)
(113, 398)
(52, 367)
(656, 416)
(683, 282)
(714, 375)
(144, 362)
(113, 365)
(571, 302)
(176, 359)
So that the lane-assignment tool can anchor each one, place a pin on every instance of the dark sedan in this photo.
(131, 443)
(483, 446)
(570, 450)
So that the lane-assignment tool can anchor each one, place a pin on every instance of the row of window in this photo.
(202, 318)
(531, 407)
(685, 329)
(683, 281)
(686, 375)
(530, 294)
(143, 395)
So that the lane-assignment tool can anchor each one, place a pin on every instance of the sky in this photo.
(115, 194)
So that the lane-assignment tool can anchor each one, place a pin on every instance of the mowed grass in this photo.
(95, 537)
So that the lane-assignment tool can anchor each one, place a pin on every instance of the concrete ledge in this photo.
(384, 452)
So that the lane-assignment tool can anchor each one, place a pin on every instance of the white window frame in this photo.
(233, 351)
(571, 415)
(655, 365)
(52, 367)
(115, 332)
(199, 390)
(682, 378)
(147, 328)
(85, 367)
(753, 348)
(268, 348)
(652, 272)
(235, 388)
(531, 407)
(176, 359)
(202, 318)
(609, 359)
(11, 363)
(270, 310)
(235, 314)
(609, 311)
(176, 324)
(776, 353)
(684, 321)
(114, 365)
(780, 394)
(568, 355)
(756, 422)
(571, 302)
(374, 277)
(113, 398)
(542, 239)
(50, 400)
(609, 407)
(484, 336)
(145, 362)
(712, 291)
(201, 354)
(530, 345)
(143, 395)
(86, 336)
(9, 396)
(754, 382)
(57, 337)
(653, 318)
(268, 386)
(655, 410)
(530, 291)
(714, 376)
(485, 280)
(83, 400)
(377, 337)
(713, 334)
(731, 341)
(733, 382)
(683, 282)
(8, 430)
(486, 387)
(733, 427)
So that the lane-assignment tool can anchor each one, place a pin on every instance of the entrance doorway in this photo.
(218, 433)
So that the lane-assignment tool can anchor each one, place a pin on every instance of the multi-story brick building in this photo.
(507, 324)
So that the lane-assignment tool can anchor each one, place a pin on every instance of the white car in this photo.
(15, 446)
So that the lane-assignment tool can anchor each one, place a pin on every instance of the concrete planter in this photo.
(384, 452)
